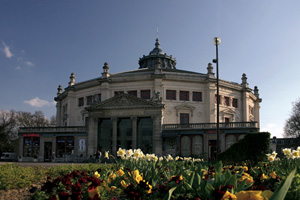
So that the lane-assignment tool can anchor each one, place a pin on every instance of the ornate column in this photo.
(157, 135)
(114, 135)
(134, 131)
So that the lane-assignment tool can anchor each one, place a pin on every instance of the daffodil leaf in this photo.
(192, 178)
(169, 195)
(281, 191)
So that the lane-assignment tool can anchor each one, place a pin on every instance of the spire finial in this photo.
(156, 31)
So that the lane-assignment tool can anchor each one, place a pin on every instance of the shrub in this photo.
(253, 147)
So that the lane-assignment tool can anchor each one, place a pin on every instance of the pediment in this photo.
(125, 101)
(228, 111)
(184, 107)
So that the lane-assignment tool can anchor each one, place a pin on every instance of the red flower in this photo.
(63, 195)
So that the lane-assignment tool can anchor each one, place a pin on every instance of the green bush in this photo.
(253, 147)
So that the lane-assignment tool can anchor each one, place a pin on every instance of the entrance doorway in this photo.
(212, 149)
(47, 151)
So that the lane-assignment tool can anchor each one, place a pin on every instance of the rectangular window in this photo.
(171, 94)
(235, 103)
(64, 146)
(145, 94)
(184, 95)
(81, 102)
(227, 120)
(184, 118)
(31, 147)
(226, 101)
(197, 96)
(89, 100)
(133, 93)
(118, 92)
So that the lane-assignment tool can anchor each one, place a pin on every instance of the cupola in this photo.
(157, 59)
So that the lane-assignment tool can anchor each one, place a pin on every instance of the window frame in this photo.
(184, 95)
(81, 102)
(145, 94)
(89, 100)
(171, 94)
(184, 118)
(195, 96)
(226, 101)
(132, 92)
(235, 103)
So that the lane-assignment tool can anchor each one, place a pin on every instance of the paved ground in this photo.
(42, 164)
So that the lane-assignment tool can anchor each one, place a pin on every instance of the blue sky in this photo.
(43, 42)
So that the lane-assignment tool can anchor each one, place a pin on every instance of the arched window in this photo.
(230, 140)
(197, 145)
(241, 137)
(185, 146)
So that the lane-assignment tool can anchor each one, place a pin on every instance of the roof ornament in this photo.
(105, 73)
(59, 90)
(72, 80)
(244, 80)
(256, 92)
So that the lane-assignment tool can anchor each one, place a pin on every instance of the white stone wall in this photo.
(199, 112)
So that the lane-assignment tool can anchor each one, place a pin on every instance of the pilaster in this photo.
(92, 136)
(114, 135)
(157, 135)
(134, 131)
(58, 113)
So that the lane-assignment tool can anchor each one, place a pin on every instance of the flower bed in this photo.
(137, 176)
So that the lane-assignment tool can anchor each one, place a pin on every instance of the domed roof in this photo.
(157, 59)
(157, 50)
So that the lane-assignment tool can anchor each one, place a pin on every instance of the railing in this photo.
(53, 129)
(210, 125)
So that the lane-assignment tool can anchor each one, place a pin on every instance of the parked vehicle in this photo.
(8, 156)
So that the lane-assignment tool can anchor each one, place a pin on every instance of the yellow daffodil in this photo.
(228, 196)
(120, 172)
(121, 152)
(124, 184)
(137, 177)
(263, 177)
(271, 158)
(97, 174)
(286, 151)
(273, 174)
(295, 153)
(249, 195)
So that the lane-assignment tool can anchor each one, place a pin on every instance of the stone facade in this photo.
(178, 108)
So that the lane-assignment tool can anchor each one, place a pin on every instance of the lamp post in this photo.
(217, 41)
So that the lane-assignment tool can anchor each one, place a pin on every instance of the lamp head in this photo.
(216, 41)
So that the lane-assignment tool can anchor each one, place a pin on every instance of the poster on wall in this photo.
(82, 145)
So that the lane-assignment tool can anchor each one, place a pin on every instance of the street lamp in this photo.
(217, 41)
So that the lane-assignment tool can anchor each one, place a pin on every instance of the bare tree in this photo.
(11, 121)
(292, 124)
(37, 119)
(8, 129)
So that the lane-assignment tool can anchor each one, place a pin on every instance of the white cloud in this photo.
(274, 129)
(37, 102)
(28, 63)
(6, 51)
(18, 68)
